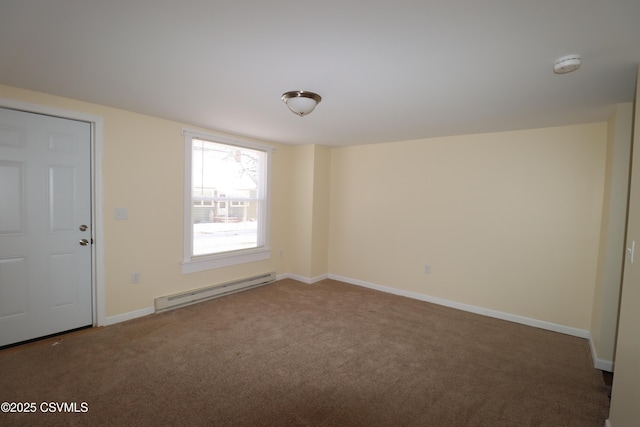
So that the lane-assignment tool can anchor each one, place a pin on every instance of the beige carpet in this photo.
(291, 354)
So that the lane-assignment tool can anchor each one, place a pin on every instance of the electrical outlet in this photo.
(135, 278)
(427, 268)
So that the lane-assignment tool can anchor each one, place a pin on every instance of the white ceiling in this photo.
(388, 70)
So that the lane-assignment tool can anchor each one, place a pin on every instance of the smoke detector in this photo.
(567, 64)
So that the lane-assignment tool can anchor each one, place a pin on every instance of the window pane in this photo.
(226, 197)
(236, 230)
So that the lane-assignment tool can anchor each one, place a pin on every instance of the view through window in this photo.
(228, 193)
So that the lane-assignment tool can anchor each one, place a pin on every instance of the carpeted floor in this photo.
(291, 354)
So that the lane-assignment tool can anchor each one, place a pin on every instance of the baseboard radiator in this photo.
(182, 299)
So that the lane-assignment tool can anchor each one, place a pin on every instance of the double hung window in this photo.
(226, 201)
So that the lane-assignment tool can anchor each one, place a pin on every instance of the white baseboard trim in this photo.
(603, 365)
(307, 280)
(581, 333)
(112, 320)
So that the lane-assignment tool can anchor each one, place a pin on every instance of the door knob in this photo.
(84, 242)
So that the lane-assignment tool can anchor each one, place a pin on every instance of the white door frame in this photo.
(97, 129)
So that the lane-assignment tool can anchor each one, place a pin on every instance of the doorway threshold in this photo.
(48, 339)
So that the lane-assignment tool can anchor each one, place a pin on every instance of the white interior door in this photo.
(45, 219)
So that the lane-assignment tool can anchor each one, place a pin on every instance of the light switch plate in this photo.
(122, 213)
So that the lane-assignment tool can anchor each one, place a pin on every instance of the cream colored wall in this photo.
(321, 201)
(625, 410)
(508, 221)
(614, 213)
(300, 226)
(309, 223)
(280, 212)
(143, 172)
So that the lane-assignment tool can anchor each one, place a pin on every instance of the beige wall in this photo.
(508, 221)
(309, 222)
(321, 202)
(625, 410)
(301, 181)
(143, 172)
(604, 320)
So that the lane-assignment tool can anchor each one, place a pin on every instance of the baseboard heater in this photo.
(182, 299)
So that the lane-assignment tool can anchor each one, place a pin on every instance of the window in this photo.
(226, 201)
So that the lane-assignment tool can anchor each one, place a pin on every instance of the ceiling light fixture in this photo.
(567, 64)
(301, 102)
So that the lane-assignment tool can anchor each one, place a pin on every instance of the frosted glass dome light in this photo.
(301, 102)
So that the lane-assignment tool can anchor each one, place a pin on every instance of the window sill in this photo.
(225, 260)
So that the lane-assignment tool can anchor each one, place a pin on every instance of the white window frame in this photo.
(191, 263)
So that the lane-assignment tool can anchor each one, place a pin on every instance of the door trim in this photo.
(97, 140)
